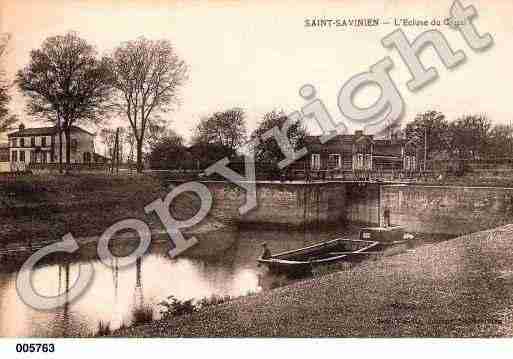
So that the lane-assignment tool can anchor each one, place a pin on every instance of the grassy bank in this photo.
(459, 288)
(45, 207)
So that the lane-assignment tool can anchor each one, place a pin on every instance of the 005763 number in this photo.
(35, 348)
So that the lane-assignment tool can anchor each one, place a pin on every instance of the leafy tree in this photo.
(224, 129)
(66, 84)
(158, 131)
(147, 76)
(470, 136)
(268, 151)
(206, 154)
(429, 130)
(500, 143)
(169, 152)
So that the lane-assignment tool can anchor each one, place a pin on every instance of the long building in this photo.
(360, 152)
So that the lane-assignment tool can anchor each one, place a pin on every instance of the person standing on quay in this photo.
(386, 217)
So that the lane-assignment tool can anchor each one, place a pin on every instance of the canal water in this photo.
(115, 293)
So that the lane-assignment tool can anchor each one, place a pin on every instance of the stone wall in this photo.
(280, 204)
(362, 204)
(448, 209)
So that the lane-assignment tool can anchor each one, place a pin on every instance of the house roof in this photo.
(43, 131)
(97, 155)
(314, 140)
(387, 148)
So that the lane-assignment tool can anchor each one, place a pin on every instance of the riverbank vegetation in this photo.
(171, 308)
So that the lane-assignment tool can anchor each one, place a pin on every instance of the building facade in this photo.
(41, 145)
(360, 153)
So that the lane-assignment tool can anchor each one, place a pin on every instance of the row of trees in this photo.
(468, 137)
(67, 83)
(219, 136)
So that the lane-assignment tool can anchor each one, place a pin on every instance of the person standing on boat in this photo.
(267, 252)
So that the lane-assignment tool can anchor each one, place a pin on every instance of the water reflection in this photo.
(115, 292)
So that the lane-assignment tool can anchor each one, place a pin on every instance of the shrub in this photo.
(143, 314)
(174, 307)
(213, 300)
(103, 329)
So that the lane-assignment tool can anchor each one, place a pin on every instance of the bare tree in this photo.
(66, 84)
(107, 137)
(6, 120)
(121, 141)
(130, 141)
(147, 75)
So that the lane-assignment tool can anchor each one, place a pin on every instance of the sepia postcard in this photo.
(254, 169)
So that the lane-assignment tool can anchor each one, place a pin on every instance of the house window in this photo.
(22, 156)
(87, 157)
(316, 161)
(13, 142)
(359, 161)
(14, 156)
(334, 160)
(22, 142)
(43, 141)
(410, 163)
(368, 162)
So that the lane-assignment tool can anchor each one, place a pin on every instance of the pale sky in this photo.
(257, 54)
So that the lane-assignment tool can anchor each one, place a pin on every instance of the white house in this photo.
(41, 145)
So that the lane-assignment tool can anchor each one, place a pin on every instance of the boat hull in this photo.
(302, 260)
